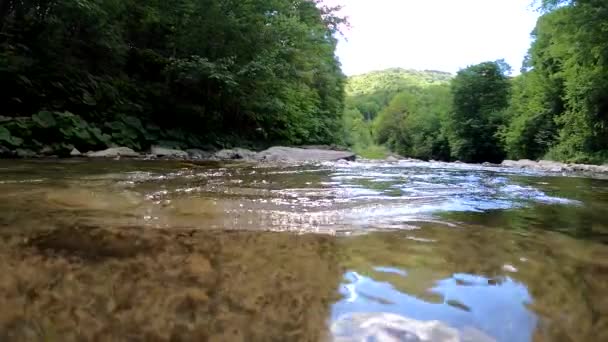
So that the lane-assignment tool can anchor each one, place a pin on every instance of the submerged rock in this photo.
(236, 153)
(387, 327)
(280, 153)
(113, 152)
(160, 151)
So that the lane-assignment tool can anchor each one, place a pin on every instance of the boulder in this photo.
(160, 151)
(197, 154)
(391, 159)
(523, 163)
(552, 166)
(75, 153)
(290, 154)
(113, 152)
(236, 153)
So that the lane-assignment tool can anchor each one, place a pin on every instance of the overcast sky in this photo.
(442, 35)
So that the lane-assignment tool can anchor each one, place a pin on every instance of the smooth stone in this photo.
(113, 152)
(280, 153)
(523, 163)
(160, 151)
(75, 153)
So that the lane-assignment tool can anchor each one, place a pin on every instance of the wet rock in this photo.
(391, 159)
(553, 166)
(197, 154)
(113, 152)
(236, 153)
(75, 153)
(280, 153)
(160, 151)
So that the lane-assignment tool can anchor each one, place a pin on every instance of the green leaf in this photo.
(45, 119)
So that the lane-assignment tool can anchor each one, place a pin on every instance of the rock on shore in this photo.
(291, 154)
(553, 166)
(113, 152)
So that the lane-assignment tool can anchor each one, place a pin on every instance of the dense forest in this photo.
(206, 73)
(556, 108)
(185, 73)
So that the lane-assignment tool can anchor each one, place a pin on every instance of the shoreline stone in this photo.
(113, 152)
(553, 166)
(292, 154)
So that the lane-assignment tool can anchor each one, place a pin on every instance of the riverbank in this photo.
(273, 154)
(316, 153)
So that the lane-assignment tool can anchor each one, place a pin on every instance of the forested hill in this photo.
(393, 80)
(187, 73)
(557, 108)
(376, 108)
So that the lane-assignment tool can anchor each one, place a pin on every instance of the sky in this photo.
(445, 35)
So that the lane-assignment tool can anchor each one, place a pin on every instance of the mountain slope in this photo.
(394, 80)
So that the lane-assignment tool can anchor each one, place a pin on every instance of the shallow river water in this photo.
(361, 251)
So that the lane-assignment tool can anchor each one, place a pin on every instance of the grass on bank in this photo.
(371, 151)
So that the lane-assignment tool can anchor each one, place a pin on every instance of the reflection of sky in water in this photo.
(496, 307)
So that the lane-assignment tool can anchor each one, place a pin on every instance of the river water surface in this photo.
(361, 251)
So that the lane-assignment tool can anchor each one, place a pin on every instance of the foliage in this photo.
(400, 109)
(190, 72)
(372, 151)
(556, 109)
(394, 80)
(560, 106)
(480, 95)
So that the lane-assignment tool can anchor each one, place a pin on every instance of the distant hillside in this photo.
(394, 80)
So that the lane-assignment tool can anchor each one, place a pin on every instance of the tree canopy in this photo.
(91, 73)
(557, 108)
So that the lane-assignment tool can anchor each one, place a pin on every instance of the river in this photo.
(345, 251)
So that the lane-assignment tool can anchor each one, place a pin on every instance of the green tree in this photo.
(480, 94)
(183, 73)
